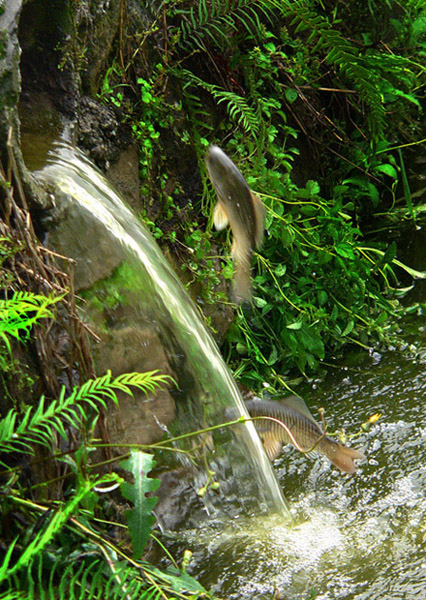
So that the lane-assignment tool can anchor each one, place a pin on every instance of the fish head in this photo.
(216, 160)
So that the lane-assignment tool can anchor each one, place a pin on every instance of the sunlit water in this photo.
(159, 302)
(354, 537)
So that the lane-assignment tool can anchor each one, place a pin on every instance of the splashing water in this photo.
(360, 537)
(205, 385)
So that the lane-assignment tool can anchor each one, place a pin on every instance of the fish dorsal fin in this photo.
(259, 218)
(220, 218)
(300, 405)
(272, 446)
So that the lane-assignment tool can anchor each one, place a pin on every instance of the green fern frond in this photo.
(341, 53)
(218, 22)
(236, 106)
(17, 433)
(19, 313)
(369, 73)
(96, 579)
(52, 525)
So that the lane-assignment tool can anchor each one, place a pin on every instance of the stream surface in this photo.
(354, 537)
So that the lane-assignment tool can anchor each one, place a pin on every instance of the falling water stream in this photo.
(359, 537)
(206, 386)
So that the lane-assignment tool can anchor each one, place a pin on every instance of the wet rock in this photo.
(78, 238)
(48, 53)
(140, 419)
(99, 22)
(176, 499)
(124, 174)
(127, 341)
(101, 132)
(10, 89)
(41, 125)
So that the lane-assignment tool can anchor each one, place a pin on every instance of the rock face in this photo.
(10, 89)
(127, 341)
(140, 419)
(52, 59)
(41, 95)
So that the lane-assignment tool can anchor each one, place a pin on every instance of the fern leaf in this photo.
(140, 517)
(88, 578)
(236, 106)
(44, 536)
(341, 53)
(219, 22)
(52, 575)
(19, 313)
(151, 594)
(40, 425)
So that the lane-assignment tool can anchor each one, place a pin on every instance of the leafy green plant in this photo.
(19, 313)
(281, 87)
(60, 545)
(72, 523)
(18, 431)
(218, 22)
(140, 518)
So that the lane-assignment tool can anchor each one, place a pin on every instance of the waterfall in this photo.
(206, 387)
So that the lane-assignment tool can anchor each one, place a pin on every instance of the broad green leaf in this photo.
(269, 217)
(322, 297)
(388, 170)
(291, 95)
(180, 582)
(366, 186)
(389, 255)
(241, 348)
(259, 302)
(140, 518)
(348, 328)
(271, 47)
(313, 187)
(296, 325)
(312, 342)
(373, 192)
(346, 250)
(227, 272)
(186, 583)
(309, 210)
(287, 236)
(273, 357)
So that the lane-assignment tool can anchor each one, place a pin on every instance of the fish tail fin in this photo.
(343, 457)
(259, 217)
(242, 277)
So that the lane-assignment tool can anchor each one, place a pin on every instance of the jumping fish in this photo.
(300, 429)
(242, 210)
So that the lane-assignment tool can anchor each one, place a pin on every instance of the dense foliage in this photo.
(63, 549)
(328, 94)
